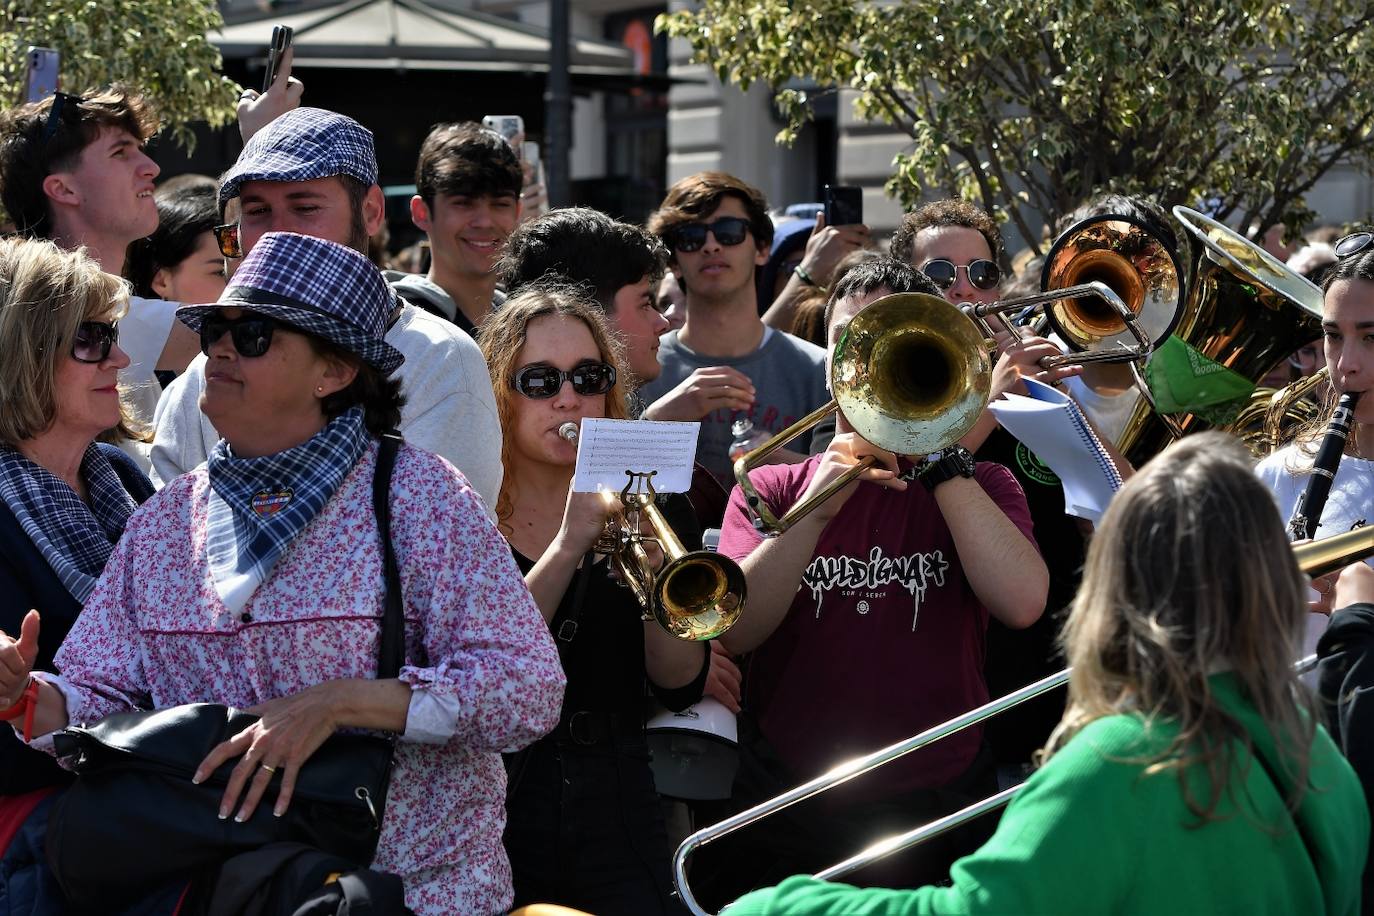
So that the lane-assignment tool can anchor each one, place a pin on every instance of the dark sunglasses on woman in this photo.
(539, 382)
(251, 333)
(728, 230)
(982, 273)
(93, 341)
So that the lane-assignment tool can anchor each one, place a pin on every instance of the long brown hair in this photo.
(502, 336)
(1309, 436)
(1189, 574)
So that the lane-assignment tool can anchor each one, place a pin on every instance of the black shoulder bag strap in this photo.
(392, 653)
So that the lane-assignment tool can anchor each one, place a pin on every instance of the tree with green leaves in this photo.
(157, 47)
(1028, 107)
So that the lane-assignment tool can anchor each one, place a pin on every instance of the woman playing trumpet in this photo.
(1188, 773)
(584, 825)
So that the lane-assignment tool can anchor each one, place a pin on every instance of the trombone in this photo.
(911, 374)
(694, 595)
(1315, 558)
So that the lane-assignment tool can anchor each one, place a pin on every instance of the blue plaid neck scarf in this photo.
(258, 506)
(75, 537)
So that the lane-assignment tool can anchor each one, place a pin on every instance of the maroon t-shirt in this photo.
(884, 639)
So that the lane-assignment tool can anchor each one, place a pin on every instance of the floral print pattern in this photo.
(155, 634)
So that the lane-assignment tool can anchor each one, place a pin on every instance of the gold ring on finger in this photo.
(268, 768)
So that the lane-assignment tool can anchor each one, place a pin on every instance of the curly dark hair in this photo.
(951, 212)
(584, 247)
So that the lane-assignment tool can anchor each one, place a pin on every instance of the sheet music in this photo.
(1053, 426)
(606, 449)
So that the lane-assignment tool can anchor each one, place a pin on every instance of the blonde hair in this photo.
(45, 294)
(502, 336)
(1189, 574)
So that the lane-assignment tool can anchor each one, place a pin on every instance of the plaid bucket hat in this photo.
(303, 144)
(315, 286)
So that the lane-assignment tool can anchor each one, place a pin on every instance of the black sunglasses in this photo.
(227, 237)
(93, 341)
(539, 382)
(981, 272)
(54, 121)
(1353, 244)
(250, 333)
(728, 230)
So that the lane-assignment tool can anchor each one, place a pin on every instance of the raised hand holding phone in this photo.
(281, 93)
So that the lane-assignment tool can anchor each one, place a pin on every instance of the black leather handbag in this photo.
(133, 821)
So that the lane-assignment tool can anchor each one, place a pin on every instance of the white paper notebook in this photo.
(1053, 427)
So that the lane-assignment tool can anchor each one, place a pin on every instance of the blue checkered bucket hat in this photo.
(315, 286)
(303, 144)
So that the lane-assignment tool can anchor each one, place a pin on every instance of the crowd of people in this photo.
(203, 384)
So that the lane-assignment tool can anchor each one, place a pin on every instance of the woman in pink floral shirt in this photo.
(256, 582)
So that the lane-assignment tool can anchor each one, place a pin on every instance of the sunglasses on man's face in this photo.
(539, 382)
(981, 272)
(251, 334)
(227, 237)
(93, 341)
(728, 230)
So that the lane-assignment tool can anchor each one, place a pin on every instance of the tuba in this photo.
(911, 375)
(1245, 313)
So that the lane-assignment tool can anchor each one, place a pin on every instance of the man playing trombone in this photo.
(867, 622)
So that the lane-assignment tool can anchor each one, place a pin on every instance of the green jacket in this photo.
(1091, 833)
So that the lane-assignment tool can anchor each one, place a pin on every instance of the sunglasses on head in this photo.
(728, 230)
(60, 100)
(539, 382)
(981, 272)
(250, 333)
(1353, 244)
(93, 341)
(227, 237)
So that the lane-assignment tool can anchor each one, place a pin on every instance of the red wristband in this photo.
(26, 705)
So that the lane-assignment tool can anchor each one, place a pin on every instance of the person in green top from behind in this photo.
(1188, 774)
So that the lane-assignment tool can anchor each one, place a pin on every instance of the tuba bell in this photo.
(1246, 312)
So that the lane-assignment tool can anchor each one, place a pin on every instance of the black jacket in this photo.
(1345, 683)
(27, 581)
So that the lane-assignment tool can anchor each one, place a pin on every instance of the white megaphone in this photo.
(695, 752)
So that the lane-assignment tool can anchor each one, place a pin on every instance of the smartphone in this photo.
(40, 78)
(844, 205)
(508, 126)
(281, 40)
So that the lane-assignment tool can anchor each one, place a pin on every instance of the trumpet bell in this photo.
(911, 373)
(1133, 262)
(699, 595)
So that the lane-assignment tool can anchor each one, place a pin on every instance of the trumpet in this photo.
(693, 595)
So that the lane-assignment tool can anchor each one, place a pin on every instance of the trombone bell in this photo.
(911, 375)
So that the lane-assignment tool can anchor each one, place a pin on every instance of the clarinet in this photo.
(1307, 513)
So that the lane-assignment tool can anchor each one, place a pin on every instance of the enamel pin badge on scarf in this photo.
(267, 502)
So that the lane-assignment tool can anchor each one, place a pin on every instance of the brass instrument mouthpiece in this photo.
(568, 431)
